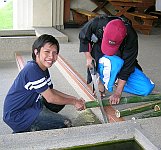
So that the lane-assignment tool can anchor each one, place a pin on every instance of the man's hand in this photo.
(115, 98)
(80, 104)
(89, 59)
(89, 63)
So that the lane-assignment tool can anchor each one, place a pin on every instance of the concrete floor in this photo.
(149, 59)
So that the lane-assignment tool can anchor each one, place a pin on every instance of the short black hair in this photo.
(41, 41)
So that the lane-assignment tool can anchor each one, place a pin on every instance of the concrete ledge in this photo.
(8, 46)
(6, 33)
(62, 38)
(69, 137)
(15, 40)
(22, 40)
(144, 141)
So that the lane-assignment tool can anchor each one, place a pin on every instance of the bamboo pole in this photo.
(125, 100)
(151, 114)
(92, 104)
(137, 109)
(155, 113)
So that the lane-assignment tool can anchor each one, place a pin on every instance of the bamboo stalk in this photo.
(137, 109)
(151, 114)
(92, 104)
(125, 100)
(137, 99)
(157, 107)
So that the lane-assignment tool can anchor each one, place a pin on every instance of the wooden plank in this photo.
(158, 13)
(20, 61)
(146, 23)
(85, 12)
(141, 15)
(101, 6)
(81, 16)
(66, 11)
(139, 1)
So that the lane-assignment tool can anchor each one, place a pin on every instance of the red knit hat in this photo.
(114, 33)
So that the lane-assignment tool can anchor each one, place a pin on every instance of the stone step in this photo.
(62, 38)
(12, 33)
(22, 40)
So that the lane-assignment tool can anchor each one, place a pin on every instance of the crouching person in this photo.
(138, 83)
(120, 48)
(32, 104)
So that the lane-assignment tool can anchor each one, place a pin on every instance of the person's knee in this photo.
(148, 89)
(138, 83)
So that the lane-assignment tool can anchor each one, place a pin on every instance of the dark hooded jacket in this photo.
(90, 41)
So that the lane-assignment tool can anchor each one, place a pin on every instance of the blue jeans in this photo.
(47, 120)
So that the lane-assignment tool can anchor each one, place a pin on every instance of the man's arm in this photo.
(57, 97)
(115, 97)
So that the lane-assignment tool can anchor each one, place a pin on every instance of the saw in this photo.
(98, 95)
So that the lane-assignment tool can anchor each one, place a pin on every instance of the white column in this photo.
(58, 14)
(22, 14)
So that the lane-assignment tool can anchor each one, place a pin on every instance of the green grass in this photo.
(6, 16)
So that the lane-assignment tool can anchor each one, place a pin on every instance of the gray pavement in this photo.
(8, 71)
(149, 59)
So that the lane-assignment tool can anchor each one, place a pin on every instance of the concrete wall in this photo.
(15, 40)
(42, 13)
(9, 45)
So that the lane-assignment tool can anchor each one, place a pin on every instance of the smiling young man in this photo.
(32, 103)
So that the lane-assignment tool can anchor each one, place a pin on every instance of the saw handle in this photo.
(93, 69)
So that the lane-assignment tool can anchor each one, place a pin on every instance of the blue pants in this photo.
(138, 83)
(49, 118)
